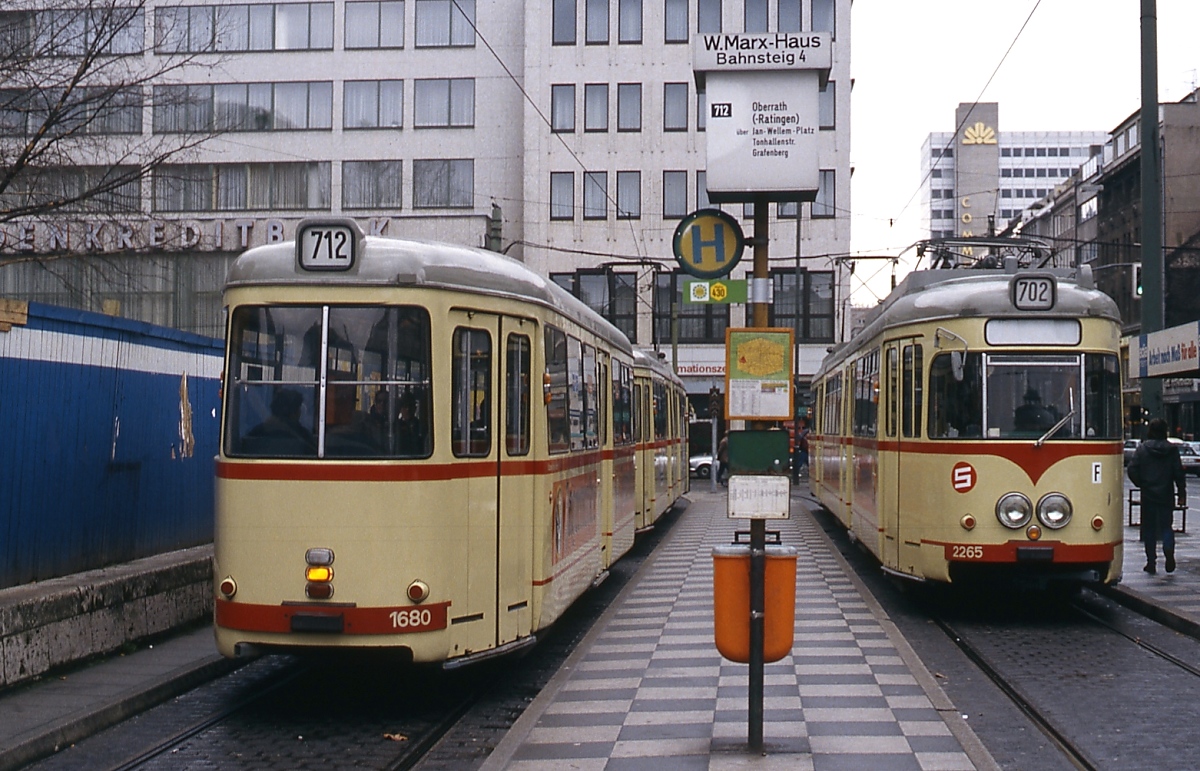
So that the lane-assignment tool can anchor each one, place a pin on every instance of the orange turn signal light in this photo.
(1034, 532)
(318, 573)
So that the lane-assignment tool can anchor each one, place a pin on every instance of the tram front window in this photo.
(1023, 396)
(375, 402)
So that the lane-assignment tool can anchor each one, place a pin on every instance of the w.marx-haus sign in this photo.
(763, 113)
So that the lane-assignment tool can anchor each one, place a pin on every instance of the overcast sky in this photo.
(1076, 66)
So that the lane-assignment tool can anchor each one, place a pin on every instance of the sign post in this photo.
(763, 94)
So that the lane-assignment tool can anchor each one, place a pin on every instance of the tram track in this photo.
(1091, 622)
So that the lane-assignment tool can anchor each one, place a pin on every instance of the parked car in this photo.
(1131, 446)
(1187, 454)
(700, 466)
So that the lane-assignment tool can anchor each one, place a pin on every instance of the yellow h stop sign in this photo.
(708, 243)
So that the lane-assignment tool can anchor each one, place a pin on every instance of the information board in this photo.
(758, 374)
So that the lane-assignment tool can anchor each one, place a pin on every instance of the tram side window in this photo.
(639, 417)
(893, 390)
(516, 397)
(471, 393)
(576, 403)
(866, 395)
(660, 410)
(914, 391)
(622, 404)
(833, 405)
(955, 396)
(1102, 399)
(591, 406)
(558, 423)
(376, 401)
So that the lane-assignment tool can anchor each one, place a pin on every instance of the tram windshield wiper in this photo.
(1059, 424)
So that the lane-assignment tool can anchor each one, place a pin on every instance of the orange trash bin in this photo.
(731, 602)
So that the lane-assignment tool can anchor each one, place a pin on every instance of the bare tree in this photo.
(75, 77)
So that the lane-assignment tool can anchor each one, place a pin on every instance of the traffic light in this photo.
(716, 404)
(1137, 279)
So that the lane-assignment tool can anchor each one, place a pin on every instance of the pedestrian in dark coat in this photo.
(1158, 472)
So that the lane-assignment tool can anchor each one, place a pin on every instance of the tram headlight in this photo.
(1014, 510)
(1054, 510)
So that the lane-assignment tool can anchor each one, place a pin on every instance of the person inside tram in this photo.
(1032, 416)
(282, 433)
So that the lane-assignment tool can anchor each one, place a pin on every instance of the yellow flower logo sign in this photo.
(979, 134)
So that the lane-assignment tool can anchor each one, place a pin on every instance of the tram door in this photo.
(494, 565)
(907, 479)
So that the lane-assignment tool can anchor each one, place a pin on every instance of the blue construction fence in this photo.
(108, 430)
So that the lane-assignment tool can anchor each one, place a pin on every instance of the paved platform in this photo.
(646, 688)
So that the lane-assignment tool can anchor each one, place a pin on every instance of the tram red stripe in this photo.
(400, 471)
(250, 617)
(1033, 460)
(1007, 552)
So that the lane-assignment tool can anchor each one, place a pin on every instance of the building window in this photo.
(444, 103)
(826, 203)
(595, 195)
(629, 107)
(95, 110)
(702, 201)
(613, 295)
(595, 22)
(789, 16)
(755, 16)
(237, 186)
(73, 32)
(372, 184)
(563, 13)
(243, 107)
(787, 210)
(824, 16)
(445, 23)
(701, 110)
(827, 106)
(675, 21)
(117, 189)
(369, 104)
(562, 108)
(708, 16)
(629, 21)
(439, 183)
(675, 195)
(303, 26)
(698, 322)
(595, 107)
(675, 107)
(803, 303)
(562, 195)
(375, 24)
(629, 195)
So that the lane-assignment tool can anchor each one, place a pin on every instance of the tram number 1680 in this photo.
(416, 619)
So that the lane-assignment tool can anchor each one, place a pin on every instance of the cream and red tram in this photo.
(424, 448)
(972, 429)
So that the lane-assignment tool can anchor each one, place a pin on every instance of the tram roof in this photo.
(650, 360)
(933, 295)
(394, 262)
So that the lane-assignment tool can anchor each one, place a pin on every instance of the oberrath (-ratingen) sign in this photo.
(708, 243)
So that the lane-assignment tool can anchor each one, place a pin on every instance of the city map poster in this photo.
(758, 379)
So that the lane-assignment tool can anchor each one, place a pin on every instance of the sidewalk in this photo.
(648, 690)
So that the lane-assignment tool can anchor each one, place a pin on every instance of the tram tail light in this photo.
(319, 573)
(967, 522)
(228, 587)
(1097, 523)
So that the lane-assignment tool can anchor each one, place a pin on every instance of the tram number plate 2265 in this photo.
(1033, 293)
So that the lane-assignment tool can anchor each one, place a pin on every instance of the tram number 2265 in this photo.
(416, 618)
(966, 552)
